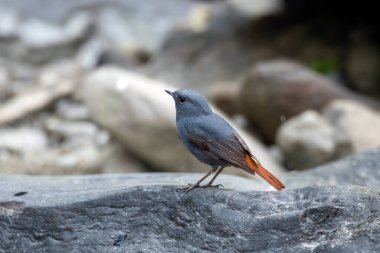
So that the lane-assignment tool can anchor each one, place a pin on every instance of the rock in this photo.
(257, 9)
(23, 140)
(60, 71)
(308, 140)
(64, 160)
(276, 90)
(358, 123)
(189, 58)
(76, 131)
(36, 41)
(138, 112)
(358, 169)
(312, 139)
(118, 160)
(225, 96)
(5, 81)
(71, 110)
(140, 212)
(37, 34)
(8, 23)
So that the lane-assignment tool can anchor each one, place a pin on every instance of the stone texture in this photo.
(136, 213)
(137, 111)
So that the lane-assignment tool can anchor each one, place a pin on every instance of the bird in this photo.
(212, 140)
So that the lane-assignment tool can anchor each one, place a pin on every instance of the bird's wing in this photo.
(227, 148)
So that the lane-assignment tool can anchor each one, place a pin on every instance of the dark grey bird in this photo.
(212, 140)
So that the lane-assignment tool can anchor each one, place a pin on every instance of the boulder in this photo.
(140, 212)
(308, 140)
(138, 112)
(358, 123)
(276, 90)
(342, 128)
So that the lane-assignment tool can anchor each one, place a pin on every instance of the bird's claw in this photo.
(188, 188)
(214, 186)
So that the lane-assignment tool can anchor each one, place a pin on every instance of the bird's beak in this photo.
(169, 92)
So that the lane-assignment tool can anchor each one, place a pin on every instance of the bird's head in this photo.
(189, 103)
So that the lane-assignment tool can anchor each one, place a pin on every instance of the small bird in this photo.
(212, 140)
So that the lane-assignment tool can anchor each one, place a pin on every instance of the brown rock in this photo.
(276, 90)
(226, 97)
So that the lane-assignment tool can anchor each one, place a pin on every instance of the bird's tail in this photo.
(257, 168)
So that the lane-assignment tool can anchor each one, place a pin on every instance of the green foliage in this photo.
(323, 65)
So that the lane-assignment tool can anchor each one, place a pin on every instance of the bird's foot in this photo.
(188, 188)
(193, 186)
(213, 186)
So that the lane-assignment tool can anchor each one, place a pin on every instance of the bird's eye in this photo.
(182, 99)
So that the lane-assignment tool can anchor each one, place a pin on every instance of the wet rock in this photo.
(138, 112)
(140, 212)
(358, 123)
(276, 90)
(308, 140)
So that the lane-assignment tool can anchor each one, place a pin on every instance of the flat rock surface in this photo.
(145, 213)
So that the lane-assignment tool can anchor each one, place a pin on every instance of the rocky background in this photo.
(301, 79)
(82, 92)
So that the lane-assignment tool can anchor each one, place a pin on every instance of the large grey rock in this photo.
(309, 140)
(138, 112)
(137, 213)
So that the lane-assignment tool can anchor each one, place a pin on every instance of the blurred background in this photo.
(81, 82)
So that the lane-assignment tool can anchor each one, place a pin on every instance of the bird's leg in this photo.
(197, 184)
(214, 177)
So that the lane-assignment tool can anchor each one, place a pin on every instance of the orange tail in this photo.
(257, 168)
